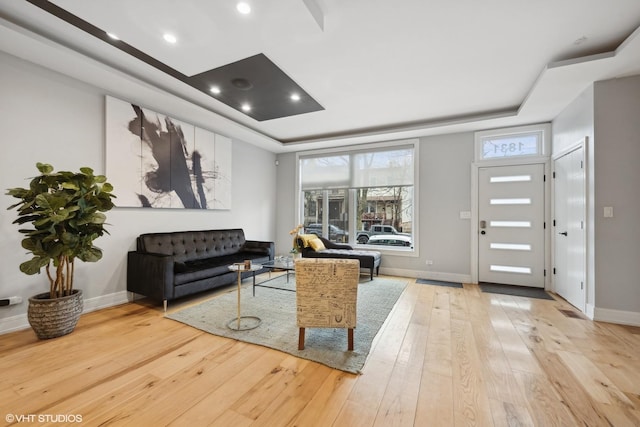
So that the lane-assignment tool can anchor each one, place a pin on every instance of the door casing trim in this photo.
(584, 144)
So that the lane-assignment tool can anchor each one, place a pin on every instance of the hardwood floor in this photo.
(444, 357)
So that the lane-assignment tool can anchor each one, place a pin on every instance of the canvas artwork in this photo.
(157, 161)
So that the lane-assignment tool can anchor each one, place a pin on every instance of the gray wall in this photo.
(48, 117)
(286, 219)
(609, 114)
(617, 174)
(444, 190)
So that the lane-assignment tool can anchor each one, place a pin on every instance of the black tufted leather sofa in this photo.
(166, 266)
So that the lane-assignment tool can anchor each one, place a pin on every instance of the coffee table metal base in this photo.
(286, 265)
(244, 323)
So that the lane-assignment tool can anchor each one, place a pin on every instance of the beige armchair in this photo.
(326, 295)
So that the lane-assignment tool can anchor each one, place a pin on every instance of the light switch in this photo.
(608, 211)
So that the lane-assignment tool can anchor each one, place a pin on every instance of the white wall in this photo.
(568, 129)
(574, 123)
(444, 190)
(48, 117)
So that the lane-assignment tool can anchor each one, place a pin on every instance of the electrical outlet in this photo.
(429, 262)
(10, 301)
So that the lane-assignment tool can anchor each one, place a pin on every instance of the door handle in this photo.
(483, 225)
(564, 233)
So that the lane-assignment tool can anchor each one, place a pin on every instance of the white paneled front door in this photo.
(511, 225)
(569, 222)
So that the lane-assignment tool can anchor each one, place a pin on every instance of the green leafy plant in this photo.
(65, 210)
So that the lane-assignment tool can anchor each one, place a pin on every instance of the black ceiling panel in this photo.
(256, 81)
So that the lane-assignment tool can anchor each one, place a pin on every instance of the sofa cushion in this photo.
(189, 271)
(204, 273)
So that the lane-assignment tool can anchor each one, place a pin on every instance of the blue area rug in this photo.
(277, 311)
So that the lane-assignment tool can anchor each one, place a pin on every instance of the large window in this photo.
(352, 196)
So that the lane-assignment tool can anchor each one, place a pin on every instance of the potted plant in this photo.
(65, 211)
(295, 250)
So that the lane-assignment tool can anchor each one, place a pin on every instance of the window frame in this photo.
(414, 143)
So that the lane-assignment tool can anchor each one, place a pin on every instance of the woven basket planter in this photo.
(51, 318)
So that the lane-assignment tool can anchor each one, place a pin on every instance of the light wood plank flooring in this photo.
(444, 357)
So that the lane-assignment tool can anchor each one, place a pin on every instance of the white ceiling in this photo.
(381, 69)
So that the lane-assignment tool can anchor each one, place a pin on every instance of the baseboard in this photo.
(631, 318)
(432, 275)
(14, 323)
(105, 301)
(20, 321)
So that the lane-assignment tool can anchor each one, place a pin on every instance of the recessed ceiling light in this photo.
(170, 38)
(215, 90)
(246, 107)
(113, 36)
(243, 8)
(295, 97)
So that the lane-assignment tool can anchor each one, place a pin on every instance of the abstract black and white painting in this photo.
(157, 161)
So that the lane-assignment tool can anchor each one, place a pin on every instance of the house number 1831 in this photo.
(511, 146)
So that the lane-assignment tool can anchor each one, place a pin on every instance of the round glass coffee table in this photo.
(243, 323)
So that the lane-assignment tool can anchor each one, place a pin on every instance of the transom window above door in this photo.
(512, 143)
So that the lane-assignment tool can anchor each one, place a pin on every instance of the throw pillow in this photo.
(316, 244)
(306, 238)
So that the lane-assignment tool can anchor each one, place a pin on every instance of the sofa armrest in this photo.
(332, 245)
(328, 244)
(151, 275)
(268, 248)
